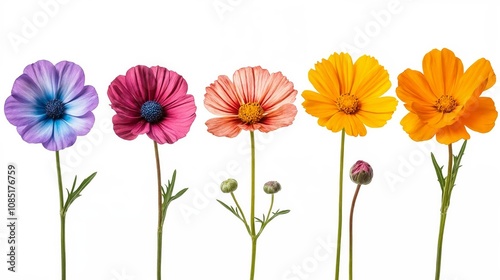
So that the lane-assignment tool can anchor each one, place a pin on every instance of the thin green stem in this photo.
(350, 229)
(339, 228)
(62, 215)
(266, 219)
(252, 207)
(160, 218)
(445, 202)
(241, 211)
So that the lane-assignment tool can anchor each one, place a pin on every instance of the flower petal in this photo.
(281, 117)
(221, 97)
(63, 136)
(141, 84)
(26, 90)
(371, 80)
(225, 126)
(452, 133)
(170, 130)
(413, 87)
(123, 127)
(276, 92)
(416, 129)
(122, 98)
(480, 116)
(71, 81)
(324, 79)
(45, 76)
(37, 132)
(170, 85)
(318, 105)
(345, 74)
(479, 74)
(81, 124)
(249, 83)
(83, 103)
(442, 69)
(22, 113)
(376, 112)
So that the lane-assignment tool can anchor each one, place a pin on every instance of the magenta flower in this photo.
(152, 101)
(51, 105)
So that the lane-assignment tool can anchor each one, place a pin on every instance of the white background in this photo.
(111, 229)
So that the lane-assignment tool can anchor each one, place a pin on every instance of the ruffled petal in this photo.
(416, 129)
(83, 103)
(44, 74)
(181, 108)
(71, 81)
(442, 70)
(481, 115)
(22, 113)
(249, 83)
(371, 80)
(221, 97)
(479, 75)
(225, 126)
(324, 79)
(281, 117)
(452, 133)
(123, 127)
(141, 84)
(413, 87)
(63, 136)
(122, 98)
(170, 130)
(170, 85)
(277, 92)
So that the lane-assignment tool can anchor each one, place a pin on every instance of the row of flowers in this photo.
(50, 104)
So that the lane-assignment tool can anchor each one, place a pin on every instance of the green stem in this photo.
(160, 218)
(350, 229)
(62, 215)
(252, 207)
(339, 229)
(445, 202)
(266, 220)
(241, 211)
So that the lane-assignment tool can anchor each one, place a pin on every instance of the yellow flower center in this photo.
(250, 113)
(446, 103)
(348, 103)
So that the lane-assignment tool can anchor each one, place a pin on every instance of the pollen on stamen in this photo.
(348, 103)
(446, 104)
(250, 113)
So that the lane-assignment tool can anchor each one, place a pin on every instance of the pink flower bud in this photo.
(361, 173)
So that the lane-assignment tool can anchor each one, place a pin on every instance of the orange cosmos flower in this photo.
(349, 95)
(443, 100)
(254, 100)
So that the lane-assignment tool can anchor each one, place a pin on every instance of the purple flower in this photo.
(51, 105)
(361, 173)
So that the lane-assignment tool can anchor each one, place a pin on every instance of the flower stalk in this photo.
(339, 223)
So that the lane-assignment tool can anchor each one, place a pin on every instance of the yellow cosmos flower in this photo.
(443, 100)
(349, 96)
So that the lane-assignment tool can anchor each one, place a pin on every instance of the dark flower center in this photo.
(152, 111)
(54, 109)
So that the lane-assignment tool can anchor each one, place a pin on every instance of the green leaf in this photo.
(456, 164)
(74, 194)
(230, 209)
(439, 171)
(179, 194)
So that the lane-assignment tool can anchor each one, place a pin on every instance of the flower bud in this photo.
(272, 187)
(229, 185)
(361, 173)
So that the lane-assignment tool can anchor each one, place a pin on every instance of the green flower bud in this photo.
(229, 185)
(361, 173)
(272, 187)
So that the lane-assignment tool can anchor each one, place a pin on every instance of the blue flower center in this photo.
(54, 109)
(152, 111)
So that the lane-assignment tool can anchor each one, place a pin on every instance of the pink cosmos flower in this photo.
(152, 101)
(254, 100)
